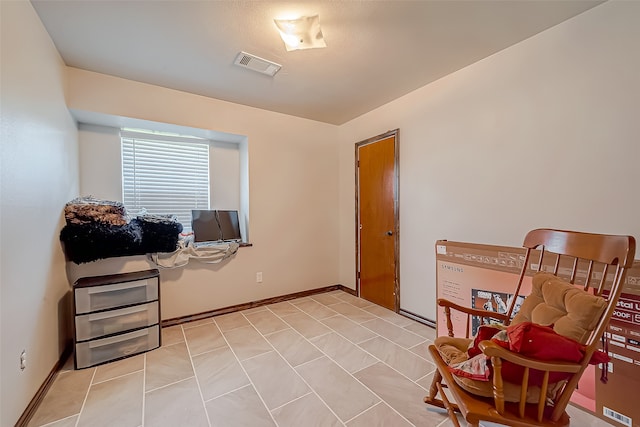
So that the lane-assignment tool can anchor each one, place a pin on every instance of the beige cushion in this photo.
(454, 350)
(573, 312)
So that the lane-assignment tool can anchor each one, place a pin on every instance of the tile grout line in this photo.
(425, 376)
(57, 421)
(208, 351)
(448, 418)
(309, 361)
(294, 400)
(382, 401)
(228, 392)
(376, 358)
(203, 322)
(245, 371)
(255, 325)
(279, 315)
(144, 386)
(300, 376)
(407, 349)
(230, 314)
(119, 376)
(168, 385)
(325, 294)
(254, 356)
(186, 344)
(347, 301)
(358, 309)
(364, 385)
(282, 318)
(275, 332)
(381, 361)
(435, 331)
(422, 339)
(348, 373)
(424, 342)
(307, 313)
(390, 315)
(391, 367)
(409, 352)
(200, 338)
(86, 396)
(344, 336)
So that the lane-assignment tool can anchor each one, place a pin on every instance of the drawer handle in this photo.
(118, 338)
(116, 313)
(116, 287)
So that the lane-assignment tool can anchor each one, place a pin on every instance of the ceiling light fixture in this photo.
(301, 33)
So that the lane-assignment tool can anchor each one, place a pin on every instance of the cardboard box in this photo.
(615, 400)
(485, 276)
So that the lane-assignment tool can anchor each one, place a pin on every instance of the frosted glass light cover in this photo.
(301, 33)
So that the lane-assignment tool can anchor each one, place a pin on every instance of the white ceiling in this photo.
(376, 51)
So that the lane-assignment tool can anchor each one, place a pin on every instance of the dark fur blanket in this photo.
(93, 241)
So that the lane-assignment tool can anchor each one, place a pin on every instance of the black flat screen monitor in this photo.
(212, 226)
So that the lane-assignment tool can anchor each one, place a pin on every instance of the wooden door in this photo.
(377, 220)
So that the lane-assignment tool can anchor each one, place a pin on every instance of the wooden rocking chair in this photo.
(580, 313)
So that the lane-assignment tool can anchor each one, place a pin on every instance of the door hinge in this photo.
(358, 164)
(358, 275)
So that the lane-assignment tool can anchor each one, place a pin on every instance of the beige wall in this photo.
(100, 162)
(39, 174)
(542, 134)
(293, 183)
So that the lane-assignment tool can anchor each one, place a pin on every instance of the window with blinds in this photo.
(165, 174)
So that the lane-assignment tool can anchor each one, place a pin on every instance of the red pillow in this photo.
(485, 332)
(543, 343)
(537, 342)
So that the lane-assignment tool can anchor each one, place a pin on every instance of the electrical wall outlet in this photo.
(259, 277)
(23, 360)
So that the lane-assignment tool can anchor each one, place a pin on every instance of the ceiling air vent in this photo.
(255, 63)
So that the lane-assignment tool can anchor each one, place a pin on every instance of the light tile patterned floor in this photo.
(327, 360)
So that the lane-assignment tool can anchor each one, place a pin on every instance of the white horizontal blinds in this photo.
(165, 174)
